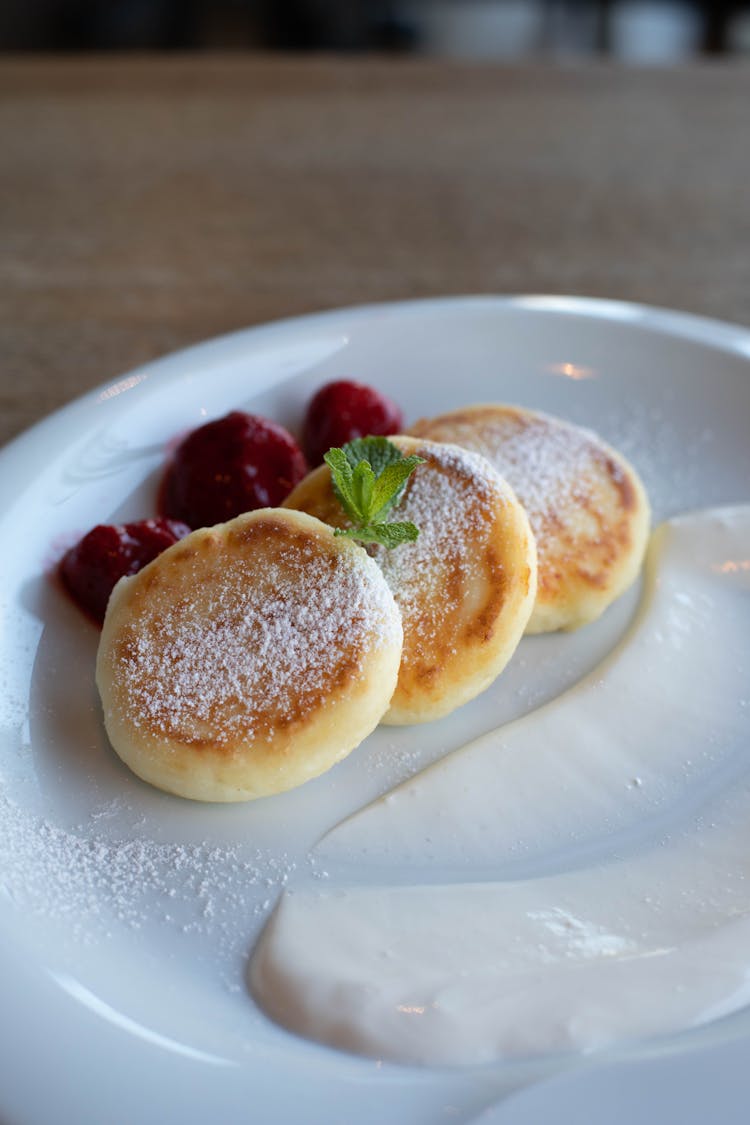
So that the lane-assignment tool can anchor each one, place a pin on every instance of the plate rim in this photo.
(724, 335)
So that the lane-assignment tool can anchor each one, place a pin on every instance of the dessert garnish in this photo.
(369, 476)
(344, 410)
(109, 552)
(229, 466)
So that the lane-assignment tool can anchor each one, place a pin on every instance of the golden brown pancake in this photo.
(586, 505)
(465, 588)
(248, 657)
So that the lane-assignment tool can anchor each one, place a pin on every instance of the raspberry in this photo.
(344, 410)
(229, 466)
(91, 569)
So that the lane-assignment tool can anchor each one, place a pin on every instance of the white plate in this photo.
(127, 916)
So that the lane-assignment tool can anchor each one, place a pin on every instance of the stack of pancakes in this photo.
(252, 656)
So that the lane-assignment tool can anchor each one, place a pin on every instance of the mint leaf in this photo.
(378, 451)
(390, 485)
(342, 478)
(369, 476)
(388, 535)
(363, 486)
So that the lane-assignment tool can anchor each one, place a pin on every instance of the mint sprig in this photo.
(369, 476)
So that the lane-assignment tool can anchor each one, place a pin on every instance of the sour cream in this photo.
(629, 801)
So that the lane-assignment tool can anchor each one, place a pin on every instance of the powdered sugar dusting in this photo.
(451, 500)
(546, 462)
(258, 646)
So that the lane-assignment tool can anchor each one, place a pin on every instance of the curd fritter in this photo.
(465, 587)
(586, 505)
(247, 658)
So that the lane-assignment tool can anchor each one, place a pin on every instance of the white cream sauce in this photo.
(648, 934)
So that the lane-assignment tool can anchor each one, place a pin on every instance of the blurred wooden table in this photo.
(148, 203)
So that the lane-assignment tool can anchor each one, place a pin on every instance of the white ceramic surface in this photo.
(127, 916)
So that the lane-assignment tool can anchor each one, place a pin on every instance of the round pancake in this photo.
(248, 657)
(586, 505)
(465, 588)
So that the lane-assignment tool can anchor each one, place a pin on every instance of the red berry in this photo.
(91, 569)
(345, 410)
(233, 465)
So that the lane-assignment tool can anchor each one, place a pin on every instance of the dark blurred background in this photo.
(641, 31)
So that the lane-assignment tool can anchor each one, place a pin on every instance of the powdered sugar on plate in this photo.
(89, 882)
